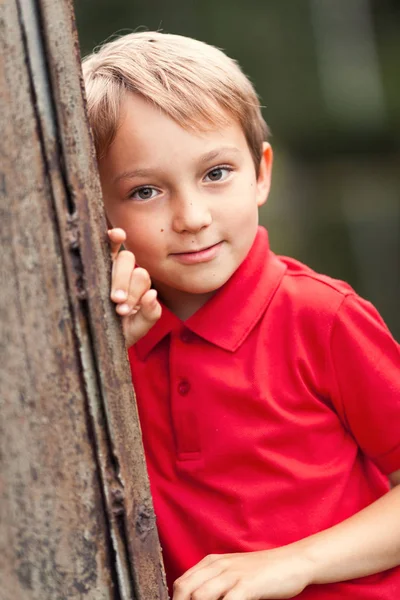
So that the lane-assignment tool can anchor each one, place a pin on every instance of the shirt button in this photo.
(186, 336)
(183, 387)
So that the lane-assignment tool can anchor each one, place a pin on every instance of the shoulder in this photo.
(307, 292)
(305, 280)
(310, 291)
(321, 306)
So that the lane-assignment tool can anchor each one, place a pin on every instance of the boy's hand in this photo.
(130, 290)
(269, 574)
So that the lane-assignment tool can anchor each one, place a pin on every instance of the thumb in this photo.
(150, 308)
(137, 325)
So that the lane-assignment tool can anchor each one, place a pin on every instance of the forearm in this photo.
(366, 543)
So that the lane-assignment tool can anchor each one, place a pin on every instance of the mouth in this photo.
(197, 256)
(195, 251)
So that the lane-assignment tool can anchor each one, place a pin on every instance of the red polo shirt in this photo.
(271, 414)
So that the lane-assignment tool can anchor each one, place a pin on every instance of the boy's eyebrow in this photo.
(213, 154)
(205, 158)
(134, 173)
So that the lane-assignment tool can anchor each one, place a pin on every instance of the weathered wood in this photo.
(76, 512)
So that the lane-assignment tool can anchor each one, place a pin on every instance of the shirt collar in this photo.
(230, 315)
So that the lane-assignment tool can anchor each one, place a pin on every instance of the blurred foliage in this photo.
(328, 77)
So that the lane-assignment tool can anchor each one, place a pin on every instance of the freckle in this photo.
(161, 230)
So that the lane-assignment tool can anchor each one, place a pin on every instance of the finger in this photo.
(135, 326)
(237, 593)
(122, 269)
(149, 307)
(117, 237)
(211, 589)
(206, 562)
(185, 586)
(139, 284)
(215, 588)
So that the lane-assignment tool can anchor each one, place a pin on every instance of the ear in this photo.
(264, 174)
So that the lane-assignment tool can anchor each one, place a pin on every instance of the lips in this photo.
(203, 255)
(191, 251)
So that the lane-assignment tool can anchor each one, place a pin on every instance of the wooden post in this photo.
(75, 508)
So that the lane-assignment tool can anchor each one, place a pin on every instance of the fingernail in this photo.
(154, 293)
(119, 295)
(124, 308)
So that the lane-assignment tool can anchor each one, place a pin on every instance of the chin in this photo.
(212, 284)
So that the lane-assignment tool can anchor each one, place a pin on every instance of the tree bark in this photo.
(76, 514)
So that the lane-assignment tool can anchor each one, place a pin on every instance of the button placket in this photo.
(182, 391)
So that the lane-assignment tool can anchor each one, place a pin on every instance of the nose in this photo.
(191, 212)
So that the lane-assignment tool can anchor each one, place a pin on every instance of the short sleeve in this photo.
(366, 370)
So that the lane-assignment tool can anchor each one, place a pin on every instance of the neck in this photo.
(182, 304)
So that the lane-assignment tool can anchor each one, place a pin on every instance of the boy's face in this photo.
(188, 201)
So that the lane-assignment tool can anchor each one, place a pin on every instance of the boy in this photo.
(268, 394)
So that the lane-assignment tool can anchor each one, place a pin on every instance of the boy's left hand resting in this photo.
(366, 543)
(278, 573)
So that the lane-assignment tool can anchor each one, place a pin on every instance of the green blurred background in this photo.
(328, 74)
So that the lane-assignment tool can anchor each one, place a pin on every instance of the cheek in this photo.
(146, 238)
(138, 224)
(241, 208)
(142, 239)
(113, 212)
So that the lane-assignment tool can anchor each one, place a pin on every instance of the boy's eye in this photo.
(144, 193)
(218, 174)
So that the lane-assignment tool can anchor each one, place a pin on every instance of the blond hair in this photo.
(194, 83)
